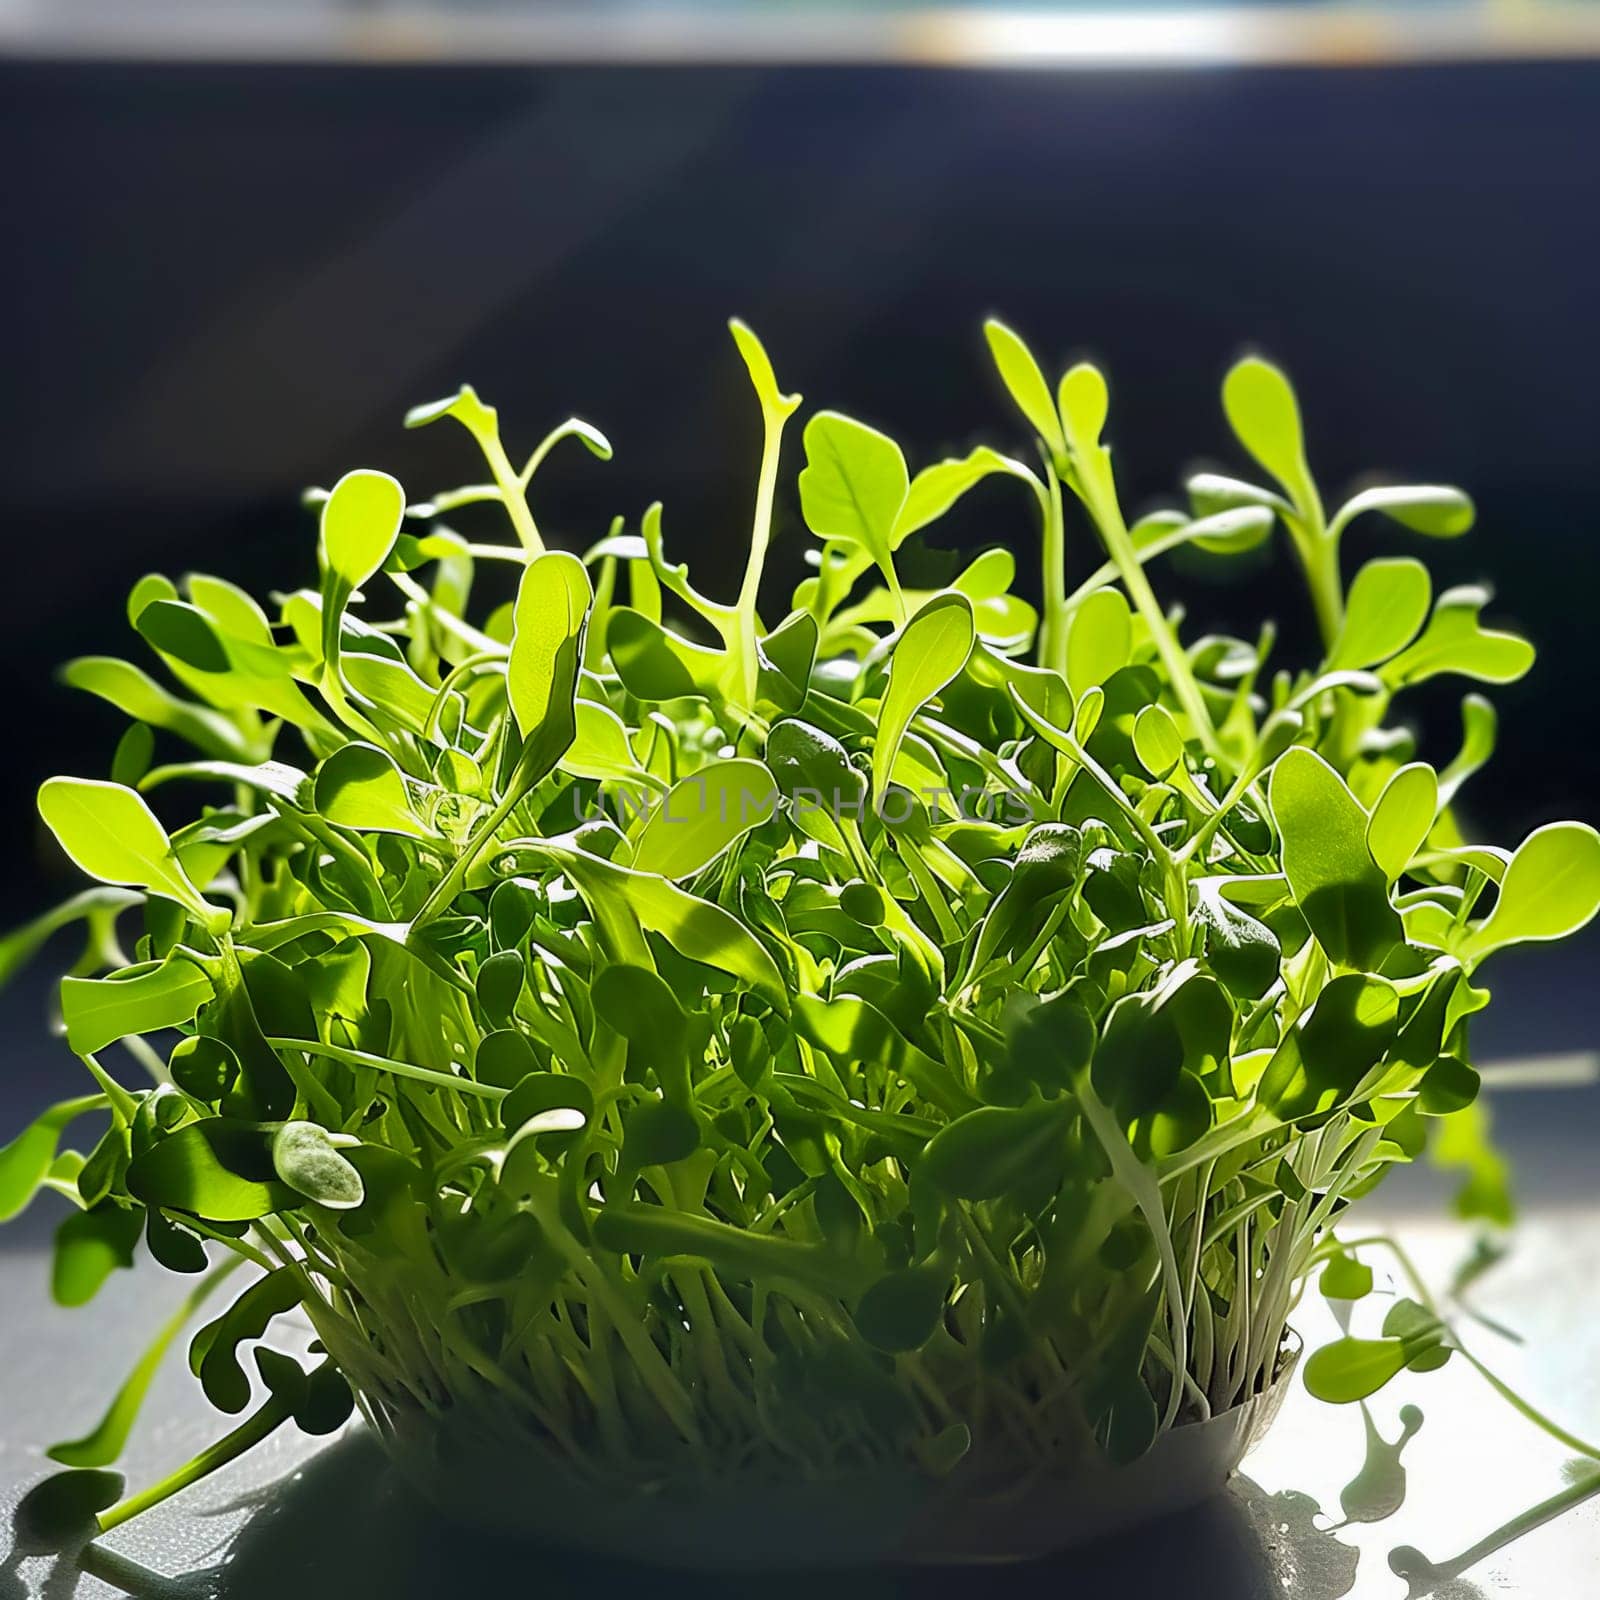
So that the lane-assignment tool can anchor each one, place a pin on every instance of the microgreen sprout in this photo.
(680, 1041)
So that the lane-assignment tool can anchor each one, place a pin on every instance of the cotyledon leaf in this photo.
(1262, 410)
(1099, 639)
(1343, 893)
(1386, 606)
(1021, 375)
(1455, 640)
(1550, 889)
(111, 833)
(307, 1157)
(1402, 817)
(703, 815)
(552, 607)
(696, 928)
(360, 787)
(98, 1011)
(25, 1160)
(930, 654)
(854, 483)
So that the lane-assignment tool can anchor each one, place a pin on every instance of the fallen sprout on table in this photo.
(914, 1026)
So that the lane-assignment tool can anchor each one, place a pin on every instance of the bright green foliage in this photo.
(697, 1035)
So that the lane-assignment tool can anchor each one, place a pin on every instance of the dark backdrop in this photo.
(223, 284)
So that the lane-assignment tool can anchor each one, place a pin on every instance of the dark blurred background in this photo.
(224, 282)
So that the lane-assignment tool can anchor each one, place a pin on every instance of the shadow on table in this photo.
(345, 1525)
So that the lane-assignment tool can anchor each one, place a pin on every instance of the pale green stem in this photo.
(1053, 626)
(1140, 1184)
(1107, 514)
(397, 1069)
(1320, 556)
(773, 418)
(510, 484)
(245, 1437)
(448, 620)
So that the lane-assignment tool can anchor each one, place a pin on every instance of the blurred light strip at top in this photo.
(1274, 35)
(972, 36)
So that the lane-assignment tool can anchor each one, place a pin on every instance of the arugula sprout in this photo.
(920, 1030)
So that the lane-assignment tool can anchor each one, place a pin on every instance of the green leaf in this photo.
(854, 483)
(499, 985)
(540, 1092)
(99, 907)
(1387, 604)
(1448, 1086)
(214, 1351)
(1262, 411)
(853, 1030)
(1233, 530)
(1403, 817)
(1324, 1059)
(306, 1156)
(1157, 742)
(1345, 1278)
(110, 833)
(1021, 375)
(901, 1310)
(995, 1149)
(1479, 725)
(1052, 1042)
(655, 1232)
(1424, 1336)
(464, 405)
(504, 1058)
(1212, 493)
(99, 1011)
(134, 753)
(1463, 1141)
(1342, 891)
(136, 694)
(360, 522)
(1139, 1058)
(1083, 402)
(89, 1247)
(600, 748)
(695, 928)
(641, 1006)
(705, 814)
(182, 631)
(1551, 889)
(1455, 641)
(1099, 639)
(1431, 508)
(657, 1133)
(931, 653)
(1352, 1369)
(552, 609)
(935, 489)
(655, 665)
(762, 378)
(220, 1169)
(1243, 951)
(25, 1162)
(813, 765)
(360, 787)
